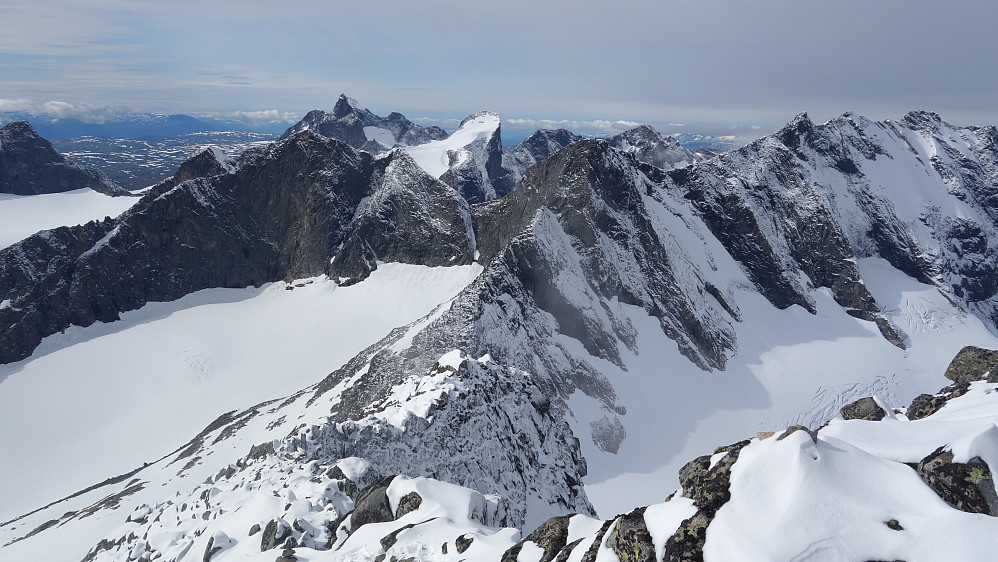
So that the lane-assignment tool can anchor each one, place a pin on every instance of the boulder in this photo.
(968, 487)
(372, 505)
(630, 539)
(863, 409)
(972, 363)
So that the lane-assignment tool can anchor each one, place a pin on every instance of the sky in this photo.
(712, 65)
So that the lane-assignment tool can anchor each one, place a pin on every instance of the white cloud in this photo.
(15, 105)
(261, 117)
(596, 127)
(62, 109)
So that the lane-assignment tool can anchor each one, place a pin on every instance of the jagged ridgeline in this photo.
(794, 209)
(870, 483)
(582, 244)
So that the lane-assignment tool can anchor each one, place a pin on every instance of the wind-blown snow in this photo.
(23, 215)
(127, 392)
(832, 499)
(436, 156)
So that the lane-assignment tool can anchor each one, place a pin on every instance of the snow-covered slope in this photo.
(469, 160)
(855, 489)
(23, 215)
(163, 372)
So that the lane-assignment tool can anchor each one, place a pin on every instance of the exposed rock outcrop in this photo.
(707, 486)
(30, 165)
(863, 409)
(287, 211)
(650, 147)
(973, 364)
(966, 486)
(536, 147)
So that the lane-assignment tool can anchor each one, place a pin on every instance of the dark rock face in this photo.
(372, 505)
(347, 121)
(590, 191)
(802, 200)
(708, 488)
(552, 536)
(475, 178)
(630, 539)
(927, 404)
(30, 165)
(968, 487)
(410, 218)
(650, 147)
(210, 550)
(274, 535)
(282, 212)
(462, 543)
(863, 409)
(972, 364)
(280, 216)
(203, 164)
(409, 503)
(533, 149)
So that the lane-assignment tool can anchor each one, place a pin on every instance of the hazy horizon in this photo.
(722, 66)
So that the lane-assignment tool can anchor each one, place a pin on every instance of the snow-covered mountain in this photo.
(469, 160)
(597, 327)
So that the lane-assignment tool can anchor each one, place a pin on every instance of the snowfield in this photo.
(23, 215)
(790, 368)
(128, 392)
(436, 157)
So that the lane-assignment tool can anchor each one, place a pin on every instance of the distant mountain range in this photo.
(403, 344)
(134, 126)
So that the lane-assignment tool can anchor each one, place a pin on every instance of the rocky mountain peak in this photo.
(17, 130)
(792, 134)
(344, 106)
(921, 120)
(480, 116)
(30, 165)
(545, 142)
(536, 147)
(208, 161)
(650, 147)
(360, 128)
